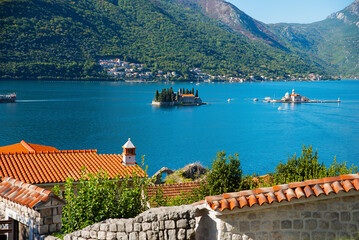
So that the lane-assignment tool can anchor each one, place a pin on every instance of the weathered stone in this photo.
(322, 206)
(345, 216)
(291, 235)
(252, 216)
(44, 229)
(318, 235)
(298, 224)
(336, 225)
(104, 227)
(286, 224)
(121, 236)
(236, 237)
(352, 228)
(113, 227)
(181, 235)
(306, 214)
(190, 233)
(52, 228)
(121, 227)
(58, 227)
(276, 225)
(162, 225)
(317, 215)
(244, 226)
(137, 227)
(182, 223)
(162, 217)
(323, 224)
(173, 215)
(101, 235)
(46, 212)
(48, 220)
(310, 224)
(110, 236)
(330, 236)
(93, 234)
(170, 224)
(276, 235)
(172, 234)
(57, 219)
(331, 215)
(129, 227)
(85, 234)
(304, 236)
(192, 223)
(139, 219)
(355, 216)
(142, 236)
(150, 217)
(133, 236)
(146, 226)
(255, 225)
(95, 227)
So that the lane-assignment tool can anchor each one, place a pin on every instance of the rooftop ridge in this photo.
(27, 146)
(51, 152)
(284, 192)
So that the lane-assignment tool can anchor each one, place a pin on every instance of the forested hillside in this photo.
(65, 39)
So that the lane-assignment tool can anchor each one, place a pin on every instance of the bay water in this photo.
(103, 115)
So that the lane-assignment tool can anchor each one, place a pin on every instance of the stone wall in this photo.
(40, 221)
(167, 223)
(335, 217)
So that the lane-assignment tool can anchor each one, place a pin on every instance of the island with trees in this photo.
(183, 97)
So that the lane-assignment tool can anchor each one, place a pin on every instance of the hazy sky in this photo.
(290, 11)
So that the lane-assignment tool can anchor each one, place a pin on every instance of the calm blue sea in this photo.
(103, 115)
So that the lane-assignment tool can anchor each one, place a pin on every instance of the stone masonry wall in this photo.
(165, 223)
(333, 218)
(40, 221)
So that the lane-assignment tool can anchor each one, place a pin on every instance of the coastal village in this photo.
(127, 71)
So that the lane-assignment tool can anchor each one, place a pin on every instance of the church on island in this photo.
(183, 97)
(294, 97)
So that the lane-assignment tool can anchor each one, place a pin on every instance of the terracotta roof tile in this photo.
(173, 190)
(287, 192)
(25, 194)
(54, 166)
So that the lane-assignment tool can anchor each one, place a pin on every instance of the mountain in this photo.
(333, 42)
(66, 38)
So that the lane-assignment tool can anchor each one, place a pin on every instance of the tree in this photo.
(225, 174)
(196, 93)
(156, 96)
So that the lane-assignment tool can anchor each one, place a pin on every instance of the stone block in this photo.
(121, 227)
(255, 226)
(317, 215)
(291, 235)
(85, 234)
(244, 226)
(252, 216)
(137, 227)
(133, 236)
(58, 227)
(181, 234)
(236, 237)
(113, 227)
(142, 236)
(111, 236)
(266, 225)
(172, 234)
(276, 235)
(57, 219)
(276, 225)
(101, 235)
(155, 226)
(323, 224)
(298, 224)
(322, 206)
(192, 223)
(146, 226)
(162, 225)
(47, 212)
(149, 217)
(173, 215)
(331, 215)
(310, 224)
(184, 214)
(318, 235)
(336, 225)
(43, 229)
(286, 224)
(139, 219)
(306, 214)
(121, 236)
(54, 211)
(52, 228)
(330, 236)
(355, 216)
(129, 227)
(93, 234)
(95, 227)
(345, 216)
(48, 220)
(190, 234)
(182, 223)
(162, 217)
(352, 228)
(152, 235)
(304, 236)
(104, 227)
(170, 224)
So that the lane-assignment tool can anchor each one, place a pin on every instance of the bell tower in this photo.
(129, 153)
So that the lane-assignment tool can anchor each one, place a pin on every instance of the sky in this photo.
(290, 11)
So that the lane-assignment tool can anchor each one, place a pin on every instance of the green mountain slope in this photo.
(65, 39)
(334, 41)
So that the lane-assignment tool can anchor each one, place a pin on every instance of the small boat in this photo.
(280, 108)
(267, 98)
(228, 100)
(255, 99)
(8, 98)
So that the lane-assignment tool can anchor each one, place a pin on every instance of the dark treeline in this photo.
(167, 95)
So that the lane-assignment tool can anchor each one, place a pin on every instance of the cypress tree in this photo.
(196, 93)
(192, 92)
(156, 96)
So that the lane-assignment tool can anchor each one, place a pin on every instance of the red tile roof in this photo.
(25, 194)
(285, 192)
(173, 190)
(55, 166)
(24, 147)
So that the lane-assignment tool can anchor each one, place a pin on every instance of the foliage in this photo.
(64, 39)
(96, 197)
(307, 166)
(225, 174)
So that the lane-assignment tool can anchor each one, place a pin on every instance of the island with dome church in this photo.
(297, 98)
